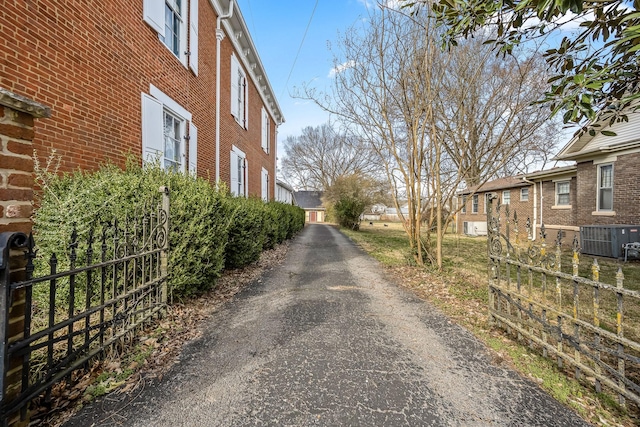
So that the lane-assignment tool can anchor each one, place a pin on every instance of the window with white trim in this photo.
(265, 130)
(265, 185)
(524, 194)
(169, 19)
(605, 187)
(173, 137)
(239, 90)
(464, 204)
(474, 204)
(562, 193)
(506, 197)
(486, 202)
(167, 133)
(238, 172)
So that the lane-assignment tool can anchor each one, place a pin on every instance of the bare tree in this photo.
(437, 119)
(317, 157)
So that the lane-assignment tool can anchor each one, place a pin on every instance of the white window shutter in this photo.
(152, 130)
(244, 185)
(193, 36)
(234, 174)
(235, 89)
(245, 87)
(153, 11)
(264, 130)
(193, 149)
(265, 185)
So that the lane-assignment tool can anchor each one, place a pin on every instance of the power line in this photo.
(299, 48)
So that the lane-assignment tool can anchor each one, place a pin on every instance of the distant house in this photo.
(284, 192)
(374, 212)
(513, 191)
(311, 202)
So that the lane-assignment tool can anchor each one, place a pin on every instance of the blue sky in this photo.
(277, 29)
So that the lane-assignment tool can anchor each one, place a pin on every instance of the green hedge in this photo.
(210, 229)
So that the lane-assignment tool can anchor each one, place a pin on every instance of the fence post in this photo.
(17, 115)
(164, 242)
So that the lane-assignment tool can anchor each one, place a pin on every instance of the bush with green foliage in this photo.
(348, 210)
(208, 228)
(246, 231)
(199, 217)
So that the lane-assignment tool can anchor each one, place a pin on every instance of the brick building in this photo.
(179, 81)
(514, 191)
(600, 192)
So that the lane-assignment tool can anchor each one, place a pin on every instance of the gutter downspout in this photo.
(535, 207)
(219, 38)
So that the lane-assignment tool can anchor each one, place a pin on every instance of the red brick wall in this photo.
(90, 60)
(626, 192)
(16, 197)
(552, 215)
(16, 170)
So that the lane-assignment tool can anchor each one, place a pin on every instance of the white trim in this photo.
(169, 103)
(608, 159)
(193, 36)
(603, 213)
(560, 207)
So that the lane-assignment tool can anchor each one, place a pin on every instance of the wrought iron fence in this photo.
(538, 293)
(116, 282)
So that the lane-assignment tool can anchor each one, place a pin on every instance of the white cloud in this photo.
(340, 68)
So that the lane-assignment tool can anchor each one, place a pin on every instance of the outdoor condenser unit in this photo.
(608, 240)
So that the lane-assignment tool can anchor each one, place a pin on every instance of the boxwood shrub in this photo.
(209, 229)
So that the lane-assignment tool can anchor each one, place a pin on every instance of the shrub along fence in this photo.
(108, 260)
(582, 322)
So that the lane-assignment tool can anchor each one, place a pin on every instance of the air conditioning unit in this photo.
(474, 228)
(608, 240)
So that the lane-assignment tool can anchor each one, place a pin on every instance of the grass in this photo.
(460, 290)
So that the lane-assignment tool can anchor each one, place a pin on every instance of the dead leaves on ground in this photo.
(157, 348)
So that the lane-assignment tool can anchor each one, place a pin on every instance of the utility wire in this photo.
(300, 48)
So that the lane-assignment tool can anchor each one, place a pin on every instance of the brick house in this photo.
(595, 199)
(472, 217)
(179, 81)
(608, 173)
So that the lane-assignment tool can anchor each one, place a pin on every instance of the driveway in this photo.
(326, 340)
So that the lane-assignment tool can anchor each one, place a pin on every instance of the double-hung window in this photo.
(172, 25)
(562, 193)
(239, 91)
(506, 197)
(173, 137)
(524, 194)
(605, 187)
(474, 204)
(172, 20)
(238, 172)
(169, 138)
(464, 204)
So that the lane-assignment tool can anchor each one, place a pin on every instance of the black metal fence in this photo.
(116, 282)
(536, 292)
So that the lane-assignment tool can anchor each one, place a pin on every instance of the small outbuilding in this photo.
(311, 202)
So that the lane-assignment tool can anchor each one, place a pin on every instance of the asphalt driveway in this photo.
(325, 340)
